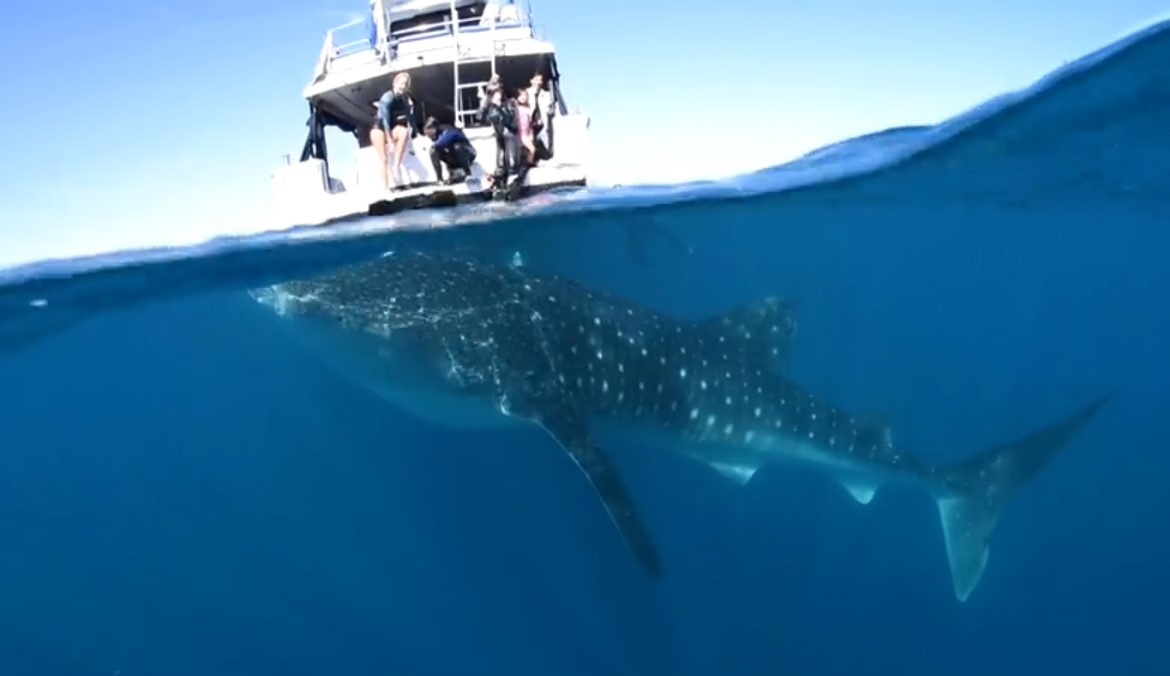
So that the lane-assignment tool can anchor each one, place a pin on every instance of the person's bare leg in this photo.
(378, 140)
(400, 135)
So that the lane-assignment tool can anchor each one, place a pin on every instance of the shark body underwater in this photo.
(464, 344)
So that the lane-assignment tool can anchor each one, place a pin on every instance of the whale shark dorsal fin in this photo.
(567, 426)
(876, 422)
(762, 331)
(874, 427)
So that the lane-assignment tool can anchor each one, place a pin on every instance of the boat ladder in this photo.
(466, 116)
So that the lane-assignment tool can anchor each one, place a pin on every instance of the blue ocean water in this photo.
(183, 490)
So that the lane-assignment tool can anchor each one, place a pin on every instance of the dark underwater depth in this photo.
(185, 490)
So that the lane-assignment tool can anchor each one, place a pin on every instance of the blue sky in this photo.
(129, 120)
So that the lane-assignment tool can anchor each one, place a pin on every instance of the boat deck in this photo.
(439, 195)
(314, 207)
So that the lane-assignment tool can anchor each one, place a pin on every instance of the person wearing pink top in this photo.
(524, 125)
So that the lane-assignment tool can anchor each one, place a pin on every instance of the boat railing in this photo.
(353, 37)
(357, 37)
(361, 36)
(503, 19)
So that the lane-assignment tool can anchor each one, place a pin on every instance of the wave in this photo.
(1094, 128)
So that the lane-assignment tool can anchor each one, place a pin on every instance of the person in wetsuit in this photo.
(450, 147)
(502, 116)
(395, 123)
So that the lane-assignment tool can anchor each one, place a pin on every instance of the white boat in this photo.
(451, 48)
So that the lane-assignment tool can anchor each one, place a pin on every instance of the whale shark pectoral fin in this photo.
(762, 331)
(569, 429)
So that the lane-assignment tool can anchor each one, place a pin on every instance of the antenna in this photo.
(531, 20)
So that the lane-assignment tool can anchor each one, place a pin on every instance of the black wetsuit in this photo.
(509, 151)
(452, 148)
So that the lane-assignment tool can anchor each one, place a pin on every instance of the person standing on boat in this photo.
(395, 124)
(451, 147)
(524, 126)
(487, 95)
(543, 111)
(501, 115)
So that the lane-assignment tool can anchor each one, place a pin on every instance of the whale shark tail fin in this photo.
(977, 489)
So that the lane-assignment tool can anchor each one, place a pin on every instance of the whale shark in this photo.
(466, 344)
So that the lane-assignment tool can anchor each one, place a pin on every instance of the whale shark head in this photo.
(281, 299)
(421, 333)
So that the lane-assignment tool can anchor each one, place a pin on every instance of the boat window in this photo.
(432, 23)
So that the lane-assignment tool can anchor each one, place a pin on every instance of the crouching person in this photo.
(450, 147)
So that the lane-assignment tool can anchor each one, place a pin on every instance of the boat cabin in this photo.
(450, 48)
